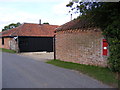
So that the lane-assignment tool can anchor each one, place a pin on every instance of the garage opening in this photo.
(35, 44)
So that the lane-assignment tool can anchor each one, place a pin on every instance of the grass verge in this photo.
(102, 74)
(7, 50)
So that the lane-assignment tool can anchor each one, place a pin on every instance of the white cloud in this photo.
(61, 10)
(58, 15)
(14, 16)
(47, 1)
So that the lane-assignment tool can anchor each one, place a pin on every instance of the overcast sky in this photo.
(30, 11)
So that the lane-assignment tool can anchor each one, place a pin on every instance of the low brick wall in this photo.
(80, 46)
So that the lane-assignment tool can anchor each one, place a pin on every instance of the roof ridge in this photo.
(42, 24)
(29, 23)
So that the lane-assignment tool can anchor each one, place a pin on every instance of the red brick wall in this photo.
(78, 46)
(6, 43)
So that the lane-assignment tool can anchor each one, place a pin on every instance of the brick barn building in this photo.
(80, 42)
(29, 38)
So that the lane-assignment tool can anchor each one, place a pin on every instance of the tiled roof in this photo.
(28, 29)
(75, 24)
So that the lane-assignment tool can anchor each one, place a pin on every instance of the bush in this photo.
(113, 34)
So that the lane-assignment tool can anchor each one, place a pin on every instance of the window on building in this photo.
(2, 41)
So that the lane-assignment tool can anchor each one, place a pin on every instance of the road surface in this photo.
(23, 72)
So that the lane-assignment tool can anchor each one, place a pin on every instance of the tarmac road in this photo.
(23, 72)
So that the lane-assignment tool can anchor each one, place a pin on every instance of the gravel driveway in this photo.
(40, 56)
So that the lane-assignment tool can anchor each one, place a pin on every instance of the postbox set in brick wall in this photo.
(84, 46)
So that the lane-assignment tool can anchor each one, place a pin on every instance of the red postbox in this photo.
(105, 47)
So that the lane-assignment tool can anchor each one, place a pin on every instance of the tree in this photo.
(106, 16)
(46, 23)
(10, 26)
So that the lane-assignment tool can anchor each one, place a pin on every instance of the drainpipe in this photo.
(18, 45)
(54, 47)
